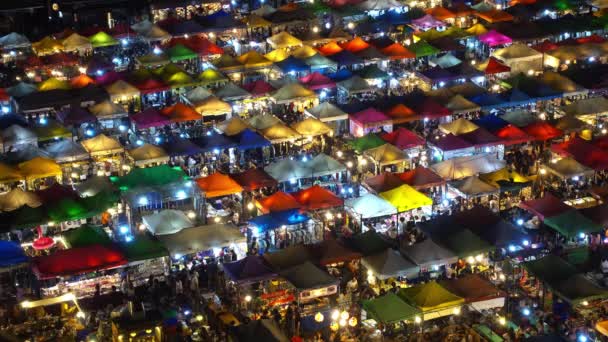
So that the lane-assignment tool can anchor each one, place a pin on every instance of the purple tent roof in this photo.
(75, 116)
(451, 142)
(369, 115)
(250, 269)
(427, 22)
(149, 118)
(493, 38)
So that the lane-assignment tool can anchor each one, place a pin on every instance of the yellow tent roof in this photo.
(76, 42)
(102, 144)
(211, 76)
(47, 45)
(17, 198)
(311, 127)
(386, 154)
(233, 126)
(476, 30)
(430, 297)
(253, 59)
(457, 127)
(406, 198)
(503, 174)
(122, 88)
(53, 84)
(602, 327)
(277, 55)
(304, 51)
(255, 21)
(283, 40)
(226, 62)
(148, 153)
(107, 110)
(9, 174)
(40, 168)
(212, 106)
(279, 132)
(292, 92)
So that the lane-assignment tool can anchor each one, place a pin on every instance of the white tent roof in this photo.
(76, 42)
(198, 94)
(148, 154)
(379, 5)
(445, 61)
(17, 135)
(389, 264)
(292, 92)
(427, 254)
(168, 221)
(326, 111)
(142, 26)
(17, 198)
(517, 51)
(108, 110)
(101, 144)
(263, 121)
(264, 10)
(323, 165)
(287, 169)
(590, 106)
(14, 40)
(203, 238)
(231, 92)
(370, 205)
(463, 167)
(473, 187)
(568, 168)
(67, 151)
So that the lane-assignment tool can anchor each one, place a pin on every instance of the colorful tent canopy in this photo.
(571, 223)
(39, 168)
(568, 168)
(179, 52)
(77, 260)
(254, 179)
(324, 165)
(406, 198)
(180, 112)
(389, 264)
(292, 65)
(231, 92)
(426, 22)
(151, 117)
(389, 309)
(259, 88)
(277, 55)
(292, 92)
(494, 38)
(472, 186)
(101, 145)
(212, 106)
(430, 297)
(102, 39)
(283, 40)
(505, 179)
(167, 221)
(147, 153)
(316, 81)
(420, 178)
(285, 170)
(279, 201)
(143, 247)
(510, 135)
(461, 167)
(248, 270)
(217, 185)
(366, 142)
(330, 48)
(545, 207)
(458, 127)
(121, 89)
(427, 254)
(451, 142)
(307, 276)
(47, 45)
(473, 288)
(316, 197)
(11, 254)
(386, 154)
(17, 198)
(202, 238)
(397, 51)
(326, 112)
(382, 182)
(86, 236)
(253, 59)
(65, 151)
(311, 127)
(370, 206)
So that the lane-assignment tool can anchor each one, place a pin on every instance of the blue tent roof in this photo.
(214, 141)
(487, 100)
(292, 64)
(248, 139)
(345, 57)
(277, 219)
(340, 75)
(11, 254)
(393, 18)
(516, 97)
(491, 122)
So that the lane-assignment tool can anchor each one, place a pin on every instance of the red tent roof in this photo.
(150, 117)
(495, 67)
(316, 81)
(279, 201)
(545, 207)
(583, 152)
(400, 113)
(369, 115)
(397, 51)
(511, 135)
(317, 197)
(218, 184)
(355, 45)
(451, 142)
(180, 112)
(121, 30)
(258, 87)
(150, 85)
(254, 179)
(4, 96)
(594, 38)
(78, 260)
(32, 62)
(541, 130)
(430, 109)
(108, 78)
(61, 58)
(403, 138)
(198, 44)
(420, 178)
(545, 46)
(440, 13)
(383, 182)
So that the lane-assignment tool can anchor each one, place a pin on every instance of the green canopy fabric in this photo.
(86, 236)
(372, 72)
(101, 39)
(430, 297)
(465, 243)
(366, 142)
(151, 176)
(389, 309)
(67, 210)
(143, 247)
(571, 223)
(369, 243)
(28, 217)
(101, 201)
(423, 49)
(179, 53)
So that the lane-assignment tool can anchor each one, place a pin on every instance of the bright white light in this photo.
(292, 181)
(305, 159)
(526, 243)
(328, 25)
(89, 132)
(124, 229)
(582, 235)
(575, 178)
(157, 140)
(99, 72)
(181, 194)
(139, 142)
(129, 238)
(143, 201)
(520, 222)
(526, 312)
(157, 50)
(116, 60)
(511, 248)
(122, 128)
(124, 42)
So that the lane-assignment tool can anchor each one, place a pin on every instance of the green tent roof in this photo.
(179, 53)
(27, 217)
(150, 176)
(366, 142)
(422, 49)
(101, 39)
(430, 296)
(369, 243)
(465, 243)
(86, 236)
(389, 308)
(143, 247)
(68, 210)
(372, 72)
(318, 8)
(571, 223)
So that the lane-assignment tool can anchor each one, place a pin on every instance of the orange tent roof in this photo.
(355, 45)
(440, 13)
(81, 81)
(317, 197)
(279, 201)
(217, 185)
(289, 7)
(330, 48)
(180, 112)
(400, 113)
(397, 51)
(494, 16)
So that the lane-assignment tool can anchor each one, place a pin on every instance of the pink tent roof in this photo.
(316, 81)
(494, 38)
(259, 87)
(403, 138)
(451, 142)
(426, 23)
(583, 152)
(545, 207)
(149, 118)
(108, 78)
(369, 116)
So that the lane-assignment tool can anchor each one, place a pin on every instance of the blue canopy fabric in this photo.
(340, 75)
(393, 18)
(214, 141)
(11, 254)
(491, 122)
(292, 64)
(487, 100)
(277, 219)
(516, 97)
(248, 139)
(345, 58)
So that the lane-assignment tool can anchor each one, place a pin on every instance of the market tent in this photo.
(400, 113)
(263, 121)
(317, 81)
(15, 135)
(77, 260)
(292, 92)
(279, 132)
(86, 236)
(121, 89)
(66, 151)
(355, 85)
(180, 112)
(427, 254)
(458, 127)
(202, 238)
(389, 264)
(386, 154)
(511, 135)
(47, 45)
(561, 83)
(231, 92)
(494, 16)
(234, 126)
(108, 110)
(259, 88)
(248, 270)
(406, 198)
(426, 23)
(304, 52)
(214, 142)
(277, 55)
(472, 186)
(462, 242)
(370, 206)
(397, 51)
(39, 168)
(567, 168)
(583, 152)
(423, 49)
(76, 42)
(285, 170)
(597, 214)
(143, 247)
(288, 257)
(75, 116)
(330, 48)
(14, 40)
(506, 179)
(370, 117)
(316, 197)
(53, 84)
(570, 124)
(21, 89)
(147, 154)
(9, 174)
(17, 198)
(277, 219)
(307, 276)
(519, 57)
(279, 201)
(389, 309)
(248, 139)
(430, 297)
(326, 112)
(265, 330)
(81, 81)
(102, 145)
(446, 61)
(592, 106)
(254, 179)
(520, 119)
(329, 252)
(179, 52)
(545, 207)
(461, 167)
(403, 139)
(311, 127)
(368, 243)
(150, 117)
(571, 223)
(283, 40)
(459, 104)
(492, 66)
(167, 221)
(494, 38)
(212, 106)
(256, 21)
(372, 71)
(481, 293)
(217, 185)
(324, 165)
(11, 254)
(318, 61)
(382, 182)
(355, 45)
(253, 59)
(420, 178)
(102, 39)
